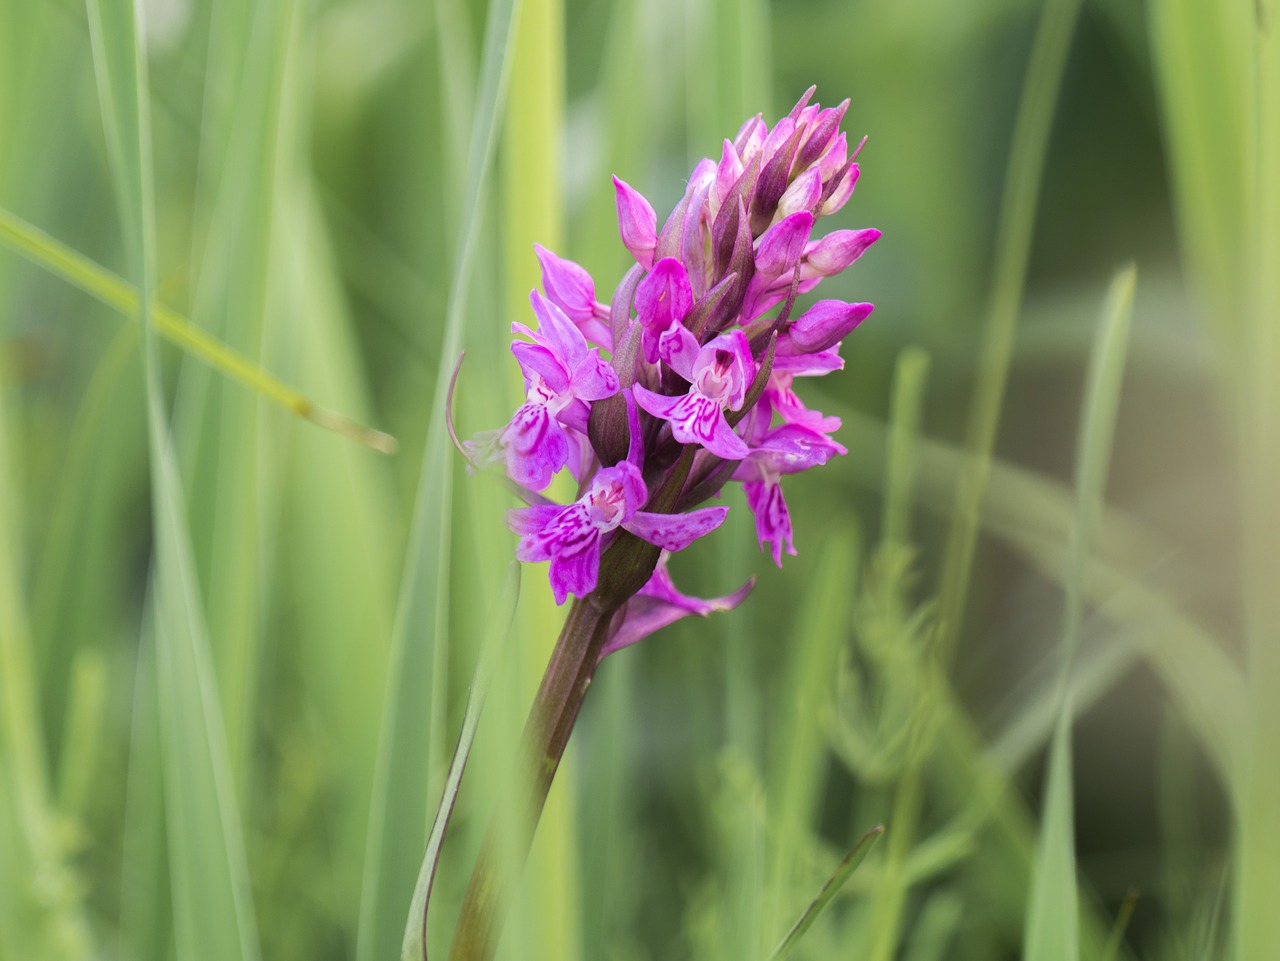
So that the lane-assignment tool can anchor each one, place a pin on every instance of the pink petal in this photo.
(837, 250)
(536, 360)
(727, 173)
(699, 420)
(567, 285)
(557, 331)
(809, 365)
(530, 520)
(749, 138)
(663, 298)
(804, 192)
(577, 573)
(679, 348)
(637, 222)
(788, 449)
(594, 379)
(843, 191)
(823, 325)
(773, 521)
(659, 405)
(534, 446)
(742, 369)
(658, 604)
(675, 532)
(781, 245)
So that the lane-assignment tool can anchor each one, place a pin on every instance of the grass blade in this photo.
(397, 820)
(829, 890)
(1053, 921)
(798, 766)
(213, 916)
(30, 924)
(107, 288)
(415, 932)
(1053, 915)
(1013, 248)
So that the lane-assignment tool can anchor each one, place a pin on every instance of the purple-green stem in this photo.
(564, 686)
(625, 568)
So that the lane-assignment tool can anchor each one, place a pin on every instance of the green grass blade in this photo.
(415, 696)
(213, 917)
(912, 373)
(1203, 54)
(1013, 248)
(798, 766)
(503, 611)
(1053, 924)
(1093, 457)
(226, 446)
(1111, 950)
(35, 925)
(1256, 934)
(1033, 515)
(1053, 915)
(829, 890)
(102, 285)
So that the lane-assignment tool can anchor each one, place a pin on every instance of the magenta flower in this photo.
(706, 337)
(562, 374)
(570, 287)
(787, 449)
(712, 301)
(718, 376)
(663, 299)
(572, 537)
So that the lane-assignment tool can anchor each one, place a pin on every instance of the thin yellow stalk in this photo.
(115, 292)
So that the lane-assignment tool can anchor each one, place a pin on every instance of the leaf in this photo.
(1053, 919)
(829, 890)
(213, 916)
(416, 681)
(115, 292)
(415, 932)
(1053, 915)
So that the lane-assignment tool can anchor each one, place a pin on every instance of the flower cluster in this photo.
(685, 381)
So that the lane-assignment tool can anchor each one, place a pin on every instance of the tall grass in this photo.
(235, 646)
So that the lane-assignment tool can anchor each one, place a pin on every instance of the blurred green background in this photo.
(1032, 626)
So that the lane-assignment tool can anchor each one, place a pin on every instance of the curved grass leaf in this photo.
(415, 932)
(1013, 248)
(1053, 917)
(1053, 922)
(1033, 515)
(411, 746)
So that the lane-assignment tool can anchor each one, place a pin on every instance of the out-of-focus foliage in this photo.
(234, 645)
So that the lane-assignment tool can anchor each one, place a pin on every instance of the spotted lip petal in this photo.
(572, 537)
(533, 446)
(694, 419)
